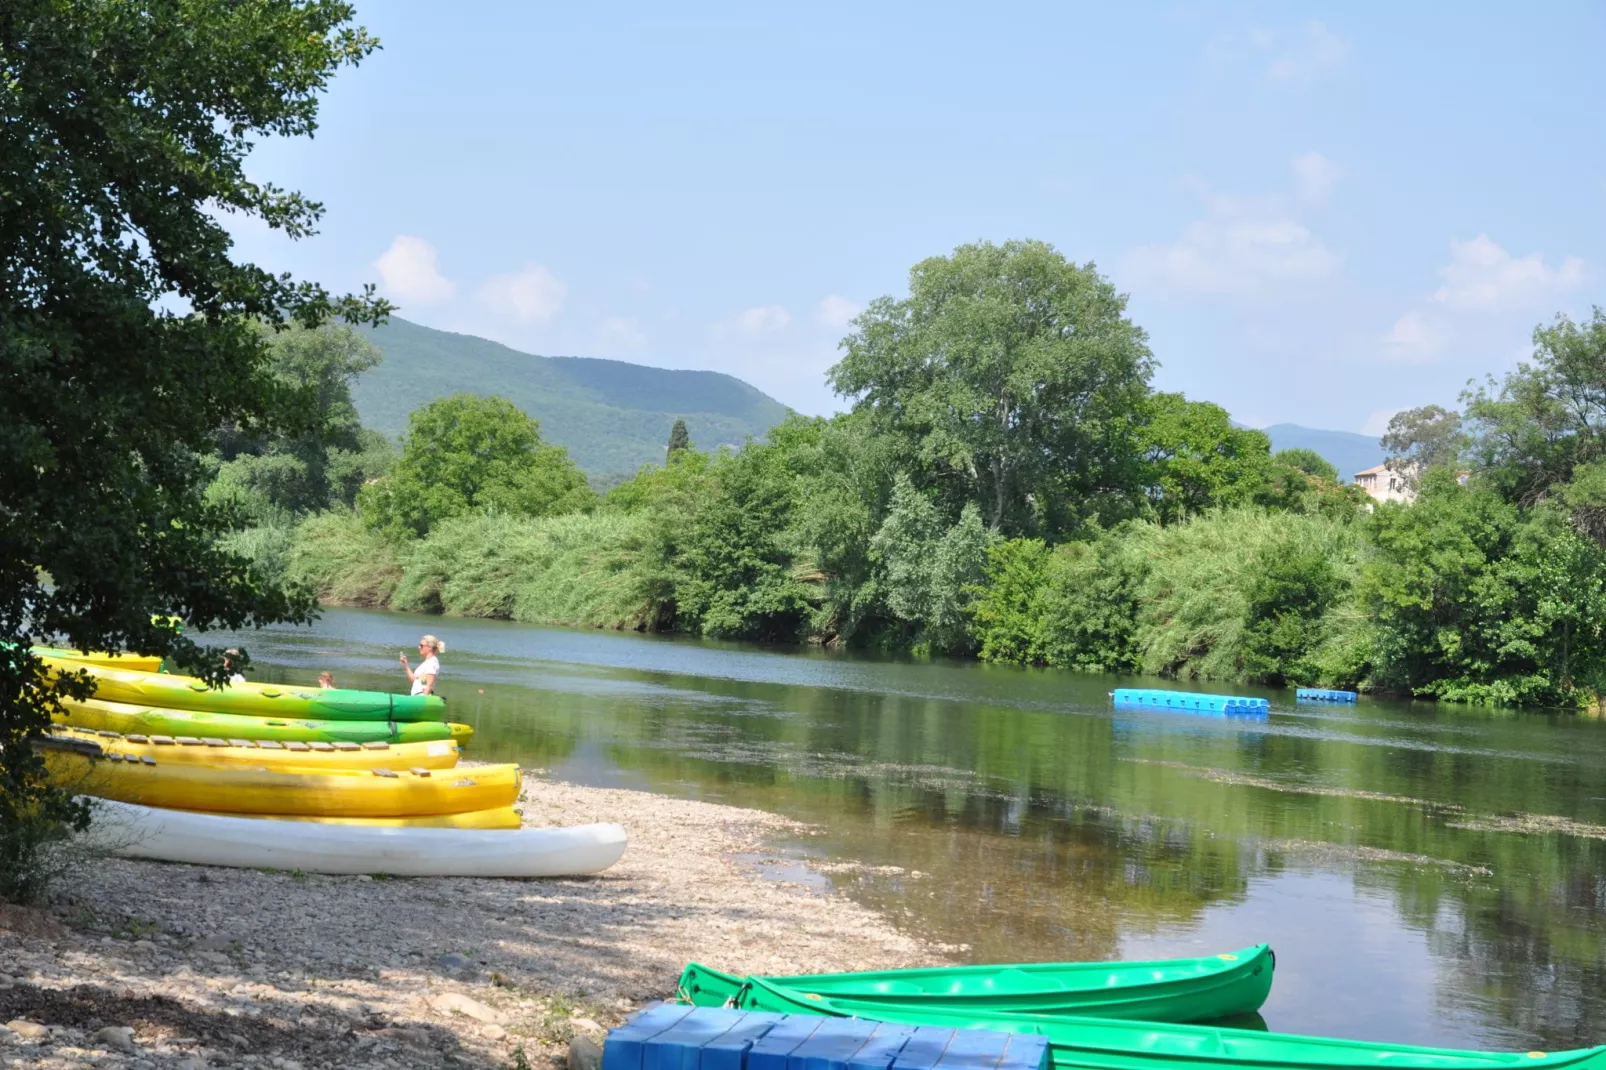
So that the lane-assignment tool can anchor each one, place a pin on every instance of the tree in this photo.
(737, 564)
(1422, 438)
(1011, 379)
(1548, 416)
(928, 572)
(1308, 461)
(1477, 600)
(1194, 458)
(679, 439)
(466, 453)
(310, 469)
(123, 136)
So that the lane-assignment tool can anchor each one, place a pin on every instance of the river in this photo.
(1426, 874)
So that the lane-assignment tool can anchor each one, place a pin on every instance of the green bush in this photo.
(1476, 600)
(579, 569)
(1240, 594)
(344, 561)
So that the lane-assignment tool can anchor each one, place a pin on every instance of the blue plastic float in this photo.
(676, 1037)
(1322, 694)
(1144, 698)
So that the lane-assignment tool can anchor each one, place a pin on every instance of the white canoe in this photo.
(134, 831)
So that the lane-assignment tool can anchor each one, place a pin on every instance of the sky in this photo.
(1322, 213)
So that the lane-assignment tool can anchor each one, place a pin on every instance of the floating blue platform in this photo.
(1322, 694)
(676, 1037)
(1143, 698)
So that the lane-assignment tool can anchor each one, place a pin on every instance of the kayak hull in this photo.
(195, 750)
(241, 790)
(1172, 990)
(1078, 1043)
(173, 692)
(502, 817)
(216, 840)
(131, 720)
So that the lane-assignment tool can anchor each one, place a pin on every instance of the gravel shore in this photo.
(144, 965)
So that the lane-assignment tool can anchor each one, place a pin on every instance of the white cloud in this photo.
(617, 336)
(1243, 248)
(1314, 176)
(755, 322)
(1481, 275)
(1377, 423)
(533, 295)
(836, 312)
(1313, 53)
(1416, 337)
(409, 272)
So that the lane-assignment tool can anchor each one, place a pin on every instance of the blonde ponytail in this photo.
(435, 645)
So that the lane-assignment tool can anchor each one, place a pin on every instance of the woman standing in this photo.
(423, 677)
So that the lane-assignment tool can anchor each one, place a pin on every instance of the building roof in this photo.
(1376, 469)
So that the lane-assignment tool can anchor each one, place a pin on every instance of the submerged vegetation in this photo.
(1006, 485)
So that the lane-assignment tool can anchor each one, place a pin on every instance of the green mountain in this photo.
(612, 417)
(1344, 450)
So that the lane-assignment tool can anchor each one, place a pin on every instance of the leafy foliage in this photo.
(123, 130)
(736, 568)
(1307, 461)
(467, 453)
(1195, 459)
(928, 572)
(1477, 600)
(1008, 377)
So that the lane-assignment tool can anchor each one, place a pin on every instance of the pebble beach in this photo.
(143, 965)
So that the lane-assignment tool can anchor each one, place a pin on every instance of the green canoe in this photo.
(1168, 990)
(172, 692)
(1116, 1044)
(129, 720)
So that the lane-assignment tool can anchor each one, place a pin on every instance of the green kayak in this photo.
(172, 692)
(1116, 1044)
(1168, 990)
(129, 720)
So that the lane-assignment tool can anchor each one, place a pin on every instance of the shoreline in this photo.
(246, 968)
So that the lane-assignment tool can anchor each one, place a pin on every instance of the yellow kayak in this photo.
(315, 756)
(241, 790)
(502, 817)
(129, 720)
(131, 662)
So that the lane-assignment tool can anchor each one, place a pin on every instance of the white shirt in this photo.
(430, 666)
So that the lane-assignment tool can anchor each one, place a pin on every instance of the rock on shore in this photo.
(144, 965)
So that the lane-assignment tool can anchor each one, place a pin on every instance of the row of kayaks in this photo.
(280, 777)
(1101, 1016)
(117, 681)
(131, 698)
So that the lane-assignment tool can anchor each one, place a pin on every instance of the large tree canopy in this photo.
(465, 453)
(124, 130)
(1013, 378)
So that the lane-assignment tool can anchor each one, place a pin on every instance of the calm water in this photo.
(1426, 875)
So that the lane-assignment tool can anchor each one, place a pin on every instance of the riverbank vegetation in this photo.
(1007, 485)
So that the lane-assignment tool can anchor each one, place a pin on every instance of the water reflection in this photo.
(1428, 875)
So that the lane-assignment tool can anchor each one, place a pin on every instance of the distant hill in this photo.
(1344, 450)
(612, 417)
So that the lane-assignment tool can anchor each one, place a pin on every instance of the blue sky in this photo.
(1323, 213)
